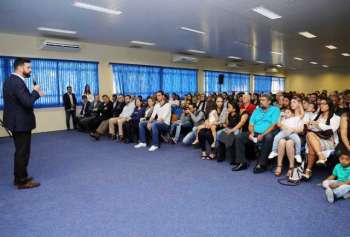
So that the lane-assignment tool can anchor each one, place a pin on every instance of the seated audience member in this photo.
(124, 116)
(149, 109)
(236, 121)
(262, 129)
(86, 122)
(201, 103)
(247, 105)
(290, 125)
(322, 136)
(85, 111)
(158, 123)
(105, 113)
(183, 122)
(216, 118)
(338, 184)
(310, 111)
(174, 100)
(291, 143)
(207, 131)
(344, 131)
(131, 126)
(70, 106)
(118, 106)
(197, 119)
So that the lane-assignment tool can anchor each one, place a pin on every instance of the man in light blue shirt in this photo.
(262, 129)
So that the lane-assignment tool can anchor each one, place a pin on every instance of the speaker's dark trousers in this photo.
(71, 113)
(22, 142)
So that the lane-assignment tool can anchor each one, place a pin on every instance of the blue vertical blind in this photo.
(232, 82)
(267, 84)
(146, 80)
(54, 76)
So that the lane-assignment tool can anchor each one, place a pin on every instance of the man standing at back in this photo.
(19, 118)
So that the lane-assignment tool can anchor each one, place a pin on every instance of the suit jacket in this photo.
(117, 108)
(106, 110)
(85, 110)
(18, 113)
(67, 103)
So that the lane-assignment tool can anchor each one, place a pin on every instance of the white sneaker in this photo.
(329, 195)
(153, 148)
(298, 158)
(272, 155)
(140, 145)
(347, 195)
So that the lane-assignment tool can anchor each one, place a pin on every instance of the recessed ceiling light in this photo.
(192, 30)
(196, 51)
(314, 63)
(96, 8)
(331, 46)
(234, 57)
(279, 65)
(278, 53)
(143, 43)
(298, 59)
(325, 66)
(267, 13)
(72, 32)
(307, 34)
(346, 54)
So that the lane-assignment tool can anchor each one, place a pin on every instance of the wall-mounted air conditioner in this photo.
(178, 58)
(57, 45)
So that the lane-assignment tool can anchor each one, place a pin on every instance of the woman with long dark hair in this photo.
(322, 136)
(87, 92)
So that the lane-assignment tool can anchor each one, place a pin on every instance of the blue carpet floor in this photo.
(108, 189)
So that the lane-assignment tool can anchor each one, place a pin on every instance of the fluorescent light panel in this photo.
(266, 12)
(96, 8)
(57, 30)
(261, 62)
(234, 57)
(325, 66)
(346, 54)
(314, 63)
(196, 51)
(298, 59)
(331, 47)
(142, 43)
(279, 65)
(278, 53)
(307, 34)
(192, 30)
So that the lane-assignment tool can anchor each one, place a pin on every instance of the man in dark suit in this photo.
(70, 105)
(84, 113)
(19, 118)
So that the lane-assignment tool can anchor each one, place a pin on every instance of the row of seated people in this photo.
(295, 126)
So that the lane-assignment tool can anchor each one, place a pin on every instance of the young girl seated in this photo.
(290, 125)
(338, 184)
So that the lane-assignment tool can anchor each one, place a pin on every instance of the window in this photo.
(277, 84)
(232, 82)
(54, 76)
(145, 80)
(267, 84)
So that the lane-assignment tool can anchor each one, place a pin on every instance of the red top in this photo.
(250, 108)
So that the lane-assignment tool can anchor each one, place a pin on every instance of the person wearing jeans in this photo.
(262, 129)
(158, 123)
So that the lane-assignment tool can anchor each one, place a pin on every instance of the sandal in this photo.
(211, 157)
(278, 170)
(307, 175)
(195, 142)
(204, 157)
(321, 162)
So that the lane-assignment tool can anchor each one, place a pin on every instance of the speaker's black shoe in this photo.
(240, 166)
(259, 169)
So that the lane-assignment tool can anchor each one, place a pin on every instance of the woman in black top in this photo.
(236, 122)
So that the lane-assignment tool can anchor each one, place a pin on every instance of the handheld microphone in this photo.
(34, 81)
